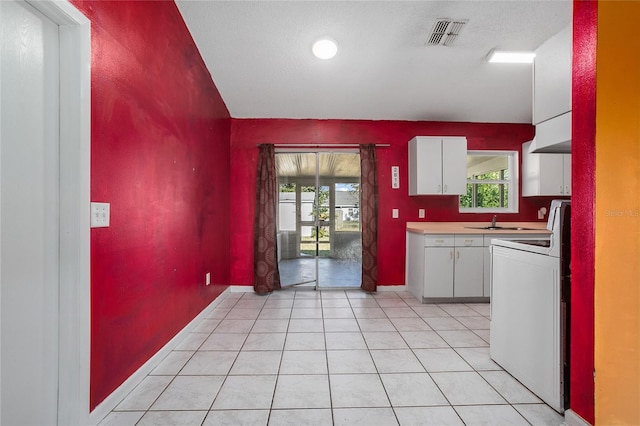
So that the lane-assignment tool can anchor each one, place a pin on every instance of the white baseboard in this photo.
(392, 287)
(249, 289)
(241, 288)
(571, 418)
(112, 401)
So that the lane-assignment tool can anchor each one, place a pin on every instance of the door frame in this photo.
(74, 309)
(298, 212)
(316, 182)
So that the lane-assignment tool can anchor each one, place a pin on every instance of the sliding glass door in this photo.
(319, 233)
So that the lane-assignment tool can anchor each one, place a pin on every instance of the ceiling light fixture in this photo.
(506, 57)
(325, 48)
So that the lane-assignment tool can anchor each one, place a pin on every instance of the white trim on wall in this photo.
(571, 418)
(75, 161)
(381, 288)
(112, 401)
(241, 289)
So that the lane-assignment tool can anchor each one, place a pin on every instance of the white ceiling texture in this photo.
(259, 56)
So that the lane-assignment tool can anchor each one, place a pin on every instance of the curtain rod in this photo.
(323, 145)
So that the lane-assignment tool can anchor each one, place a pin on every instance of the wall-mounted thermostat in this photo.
(395, 177)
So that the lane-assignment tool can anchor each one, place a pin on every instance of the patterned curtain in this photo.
(265, 255)
(369, 217)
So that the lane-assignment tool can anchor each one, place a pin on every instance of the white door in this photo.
(429, 166)
(29, 222)
(566, 170)
(468, 272)
(454, 166)
(551, 174)
(438, 272)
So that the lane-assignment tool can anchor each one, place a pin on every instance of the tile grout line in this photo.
(427, 370)
(148, 410)
(393, 409)
(287, 333)
(326, 357)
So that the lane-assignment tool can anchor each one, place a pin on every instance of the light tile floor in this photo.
(301, 357)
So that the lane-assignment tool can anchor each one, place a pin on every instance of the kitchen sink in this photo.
(500, 228)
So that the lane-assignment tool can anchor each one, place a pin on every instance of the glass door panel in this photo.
(324, 241)
(319, 235)
(339, 175)
(296, 218)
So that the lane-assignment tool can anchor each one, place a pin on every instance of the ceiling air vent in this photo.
(445, 31)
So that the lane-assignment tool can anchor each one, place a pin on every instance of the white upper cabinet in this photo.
(552, 77)
(566, 172)
(545, 174)
(437, 165)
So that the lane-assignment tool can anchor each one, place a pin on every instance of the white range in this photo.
(530, 302)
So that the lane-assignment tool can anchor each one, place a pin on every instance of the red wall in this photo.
(246, 133)
(160, 156)
(583, 170)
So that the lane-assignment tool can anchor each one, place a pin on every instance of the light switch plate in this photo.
(421, 213)
(100, 213)
(394, 213)
(207, 278)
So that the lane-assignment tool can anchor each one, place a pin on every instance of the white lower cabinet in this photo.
(468, 275)
(444, 266)
(438, 272)
(452, 267)
(486, 254)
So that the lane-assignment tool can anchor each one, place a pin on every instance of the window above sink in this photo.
(492, 182)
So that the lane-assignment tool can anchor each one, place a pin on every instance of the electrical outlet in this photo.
(541, 212)
(100, 213)
(207, 278)
(421, 213)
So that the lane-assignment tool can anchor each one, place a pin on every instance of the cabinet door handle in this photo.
(458, 254)
(567, 190)
(561, 189)
(445, 188)
(451, 255)
(439, 188)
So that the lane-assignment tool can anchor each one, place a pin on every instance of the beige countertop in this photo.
(462, 228)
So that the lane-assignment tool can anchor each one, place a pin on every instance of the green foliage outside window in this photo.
(487, 190)
(323, 197)
(287, 187)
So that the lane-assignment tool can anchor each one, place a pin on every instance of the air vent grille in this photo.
(445, 31)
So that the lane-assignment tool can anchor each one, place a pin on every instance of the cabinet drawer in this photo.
(468, 240)
(438, 240)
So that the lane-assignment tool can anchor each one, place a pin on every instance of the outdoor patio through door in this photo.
(319, 232)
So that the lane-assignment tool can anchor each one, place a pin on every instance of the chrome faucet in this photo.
(494, 221)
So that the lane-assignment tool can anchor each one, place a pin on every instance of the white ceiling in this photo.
(259, 56)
